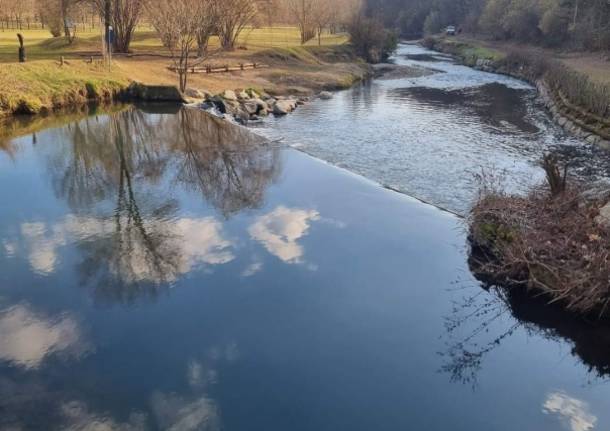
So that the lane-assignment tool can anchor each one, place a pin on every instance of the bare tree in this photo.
(302, 12)
(233, 17)
(124, 18)
(322, 14)
(181, 24)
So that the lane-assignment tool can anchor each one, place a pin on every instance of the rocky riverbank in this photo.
(247, 105)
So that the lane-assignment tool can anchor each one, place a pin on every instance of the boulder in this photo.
(325, 95)
(229, 95)
(256, 106)
(243, 95)
(603, 219)
(283, 107)
(241, 116)
(253, 94)
(251, 107)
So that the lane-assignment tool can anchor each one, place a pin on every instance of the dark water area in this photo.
(169, 271)
(429, 136)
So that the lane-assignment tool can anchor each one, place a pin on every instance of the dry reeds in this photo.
(548, 244)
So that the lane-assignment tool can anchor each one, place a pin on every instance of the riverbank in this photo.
(43, 86)
(550, 243)
(65, 77)
(578, 100)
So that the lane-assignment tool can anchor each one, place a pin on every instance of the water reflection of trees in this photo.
(226, 164)
(481, 312)
(118, 172)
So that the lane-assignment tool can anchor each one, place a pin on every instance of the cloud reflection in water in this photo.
(27, 338)
(572, 411)
(280, 230)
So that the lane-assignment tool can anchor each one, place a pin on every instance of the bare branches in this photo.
(548, 242)
(125, 15)
(233, 16)
(182, 25)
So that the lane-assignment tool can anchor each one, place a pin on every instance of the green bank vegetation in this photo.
(35, 87)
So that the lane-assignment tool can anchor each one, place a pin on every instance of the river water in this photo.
(161, 269)
(430, 136)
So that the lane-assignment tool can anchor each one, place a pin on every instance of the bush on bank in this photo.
(552, 245)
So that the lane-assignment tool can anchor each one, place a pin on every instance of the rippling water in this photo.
(428, 136)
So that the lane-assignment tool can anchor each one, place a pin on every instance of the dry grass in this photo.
(549, 245)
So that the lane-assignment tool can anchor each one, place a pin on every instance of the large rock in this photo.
(243, 95)
(325, 95)
(603, 219)
(283, 107)
(241, 116)
(229, 95)
(251, 107)
(256, 107)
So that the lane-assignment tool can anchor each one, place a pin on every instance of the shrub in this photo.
(371, 39)
(548, 245)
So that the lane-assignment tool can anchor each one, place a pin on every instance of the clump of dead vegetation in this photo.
(547, 242)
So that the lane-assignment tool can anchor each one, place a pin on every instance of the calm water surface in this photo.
(169, 272)
(428, 136)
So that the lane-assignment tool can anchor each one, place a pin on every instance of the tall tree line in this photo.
(582, 24)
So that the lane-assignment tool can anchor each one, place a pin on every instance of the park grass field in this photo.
(40, 45)
(44, 83)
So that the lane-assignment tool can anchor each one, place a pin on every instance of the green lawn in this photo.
(41, 45)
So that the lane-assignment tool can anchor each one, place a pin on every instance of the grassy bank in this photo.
(42, 84)
(580, 98)
(46, 85)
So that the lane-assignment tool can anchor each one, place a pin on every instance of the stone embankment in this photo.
(247, 105)
(574, 120)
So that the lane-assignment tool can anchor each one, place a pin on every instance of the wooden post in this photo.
(21, 48)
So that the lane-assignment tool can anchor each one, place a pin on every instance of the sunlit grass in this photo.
(45, 84)
(41, 45)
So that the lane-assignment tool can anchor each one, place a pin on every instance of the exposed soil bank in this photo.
(558, 86)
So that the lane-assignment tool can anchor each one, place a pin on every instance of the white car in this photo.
(450, 31)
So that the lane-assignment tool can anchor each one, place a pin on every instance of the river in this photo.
(161, 269)
(431, 136)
